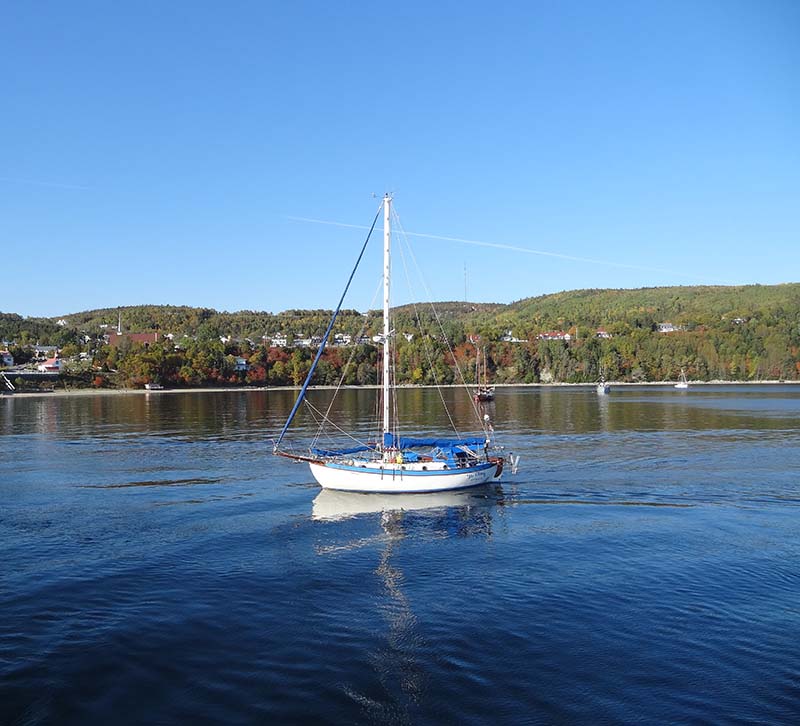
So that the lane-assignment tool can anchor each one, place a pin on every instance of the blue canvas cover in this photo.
(448, 447)
(408, 442)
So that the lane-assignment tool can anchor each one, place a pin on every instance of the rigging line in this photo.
(395, 405)
(474, 404)
(327, 332)
(314, 416)
(350, 436)
(346, 366)
(517, 248)
(431, 366)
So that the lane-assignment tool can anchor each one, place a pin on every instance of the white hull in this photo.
(393, 479)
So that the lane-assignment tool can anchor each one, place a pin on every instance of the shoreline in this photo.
(60, 393)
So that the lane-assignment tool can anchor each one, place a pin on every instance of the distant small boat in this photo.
(682, 383)
(483, 391)
(153, 387)
(602, 387)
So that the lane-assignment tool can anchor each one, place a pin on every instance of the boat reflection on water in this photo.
(473, 502)
(398, 657)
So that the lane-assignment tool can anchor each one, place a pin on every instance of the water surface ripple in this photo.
(160, 566)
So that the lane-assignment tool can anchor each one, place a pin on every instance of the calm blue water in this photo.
(160, 566)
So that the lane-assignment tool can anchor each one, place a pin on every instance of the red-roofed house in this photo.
(51, 365)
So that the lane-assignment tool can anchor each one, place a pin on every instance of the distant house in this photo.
(408, 336)
(555, 335)
(241, 364)
(668, 328)
(510, 338)
(6, 359)
(51, 365)
(61, 323)
(116, 339)
(601, 333)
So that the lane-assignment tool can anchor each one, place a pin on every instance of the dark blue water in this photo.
(160, 566)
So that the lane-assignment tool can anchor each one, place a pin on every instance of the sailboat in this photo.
(483, 391)
(395, 462)
(682, 383)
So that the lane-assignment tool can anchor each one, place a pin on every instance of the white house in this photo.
(6, 358)
(555, 335)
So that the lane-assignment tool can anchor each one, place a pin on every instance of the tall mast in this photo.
(387, 237)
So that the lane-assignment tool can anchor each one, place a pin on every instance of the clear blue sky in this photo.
(155, 152)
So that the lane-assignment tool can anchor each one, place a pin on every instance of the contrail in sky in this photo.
(512, 248)
(34, 182)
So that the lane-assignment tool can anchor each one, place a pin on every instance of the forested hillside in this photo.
(715, 333)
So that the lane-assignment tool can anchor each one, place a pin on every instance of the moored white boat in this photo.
(395, 463)
(682, 383)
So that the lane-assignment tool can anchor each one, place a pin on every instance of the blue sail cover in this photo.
(403, 443)
(407, 442)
